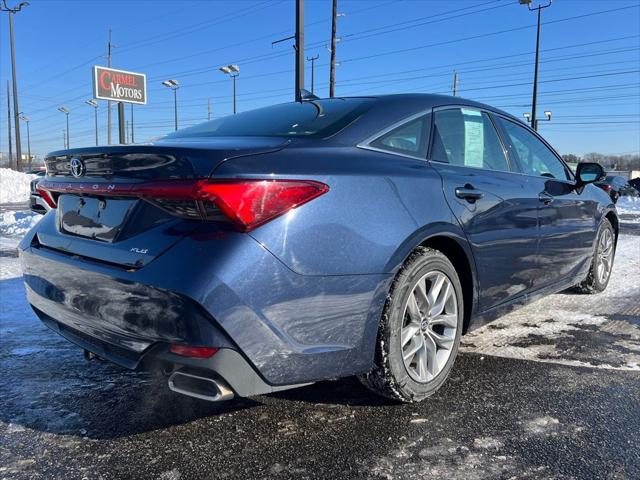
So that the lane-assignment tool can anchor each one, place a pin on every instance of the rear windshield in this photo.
(318, 118)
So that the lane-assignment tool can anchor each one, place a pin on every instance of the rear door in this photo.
(566, 217)
(496, 206)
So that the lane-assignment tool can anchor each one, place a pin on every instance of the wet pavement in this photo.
(550, 391)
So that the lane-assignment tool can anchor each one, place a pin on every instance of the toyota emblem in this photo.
(77, 167)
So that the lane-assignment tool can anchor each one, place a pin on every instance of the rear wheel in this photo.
(420, 329)
(602, 261)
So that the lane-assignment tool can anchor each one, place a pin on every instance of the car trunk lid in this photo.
(101, 212)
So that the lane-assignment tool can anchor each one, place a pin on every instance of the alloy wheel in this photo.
(604, 256)
(430, 322)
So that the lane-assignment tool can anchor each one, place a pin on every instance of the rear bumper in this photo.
(222, 290)
(226, 364)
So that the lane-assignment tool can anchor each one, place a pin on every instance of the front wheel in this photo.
(601, 262)
(420, 329)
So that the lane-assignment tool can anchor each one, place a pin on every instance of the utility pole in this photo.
(313, 75)
(208, 109)
(65, 110)
(455, 83)
(9, 126)
(64, 139)
(332, 67)
(16, 109)
(132, 138)
(299, 49)
(109, 46)
(534, 101)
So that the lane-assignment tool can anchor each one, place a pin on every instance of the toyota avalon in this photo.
(312, 240)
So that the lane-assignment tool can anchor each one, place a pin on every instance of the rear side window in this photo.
(409, 139)
(317, 118)
(466, 137)
(534, 156)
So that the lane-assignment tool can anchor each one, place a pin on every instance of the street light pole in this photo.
(25, 119)
(527, 116)
(534, 101)
(233, 71)
(234, 92)
(16, 109)
(175, 107)
(173, 85)
(94, 104)
(65, 110)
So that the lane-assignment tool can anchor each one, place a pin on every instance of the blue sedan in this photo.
(312, 240)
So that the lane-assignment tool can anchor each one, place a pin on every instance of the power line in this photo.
(485, 35)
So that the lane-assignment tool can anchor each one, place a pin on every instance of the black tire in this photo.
(390, 377)
(592, 283)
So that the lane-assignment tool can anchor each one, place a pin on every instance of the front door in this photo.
(566, 219)
(496, 207)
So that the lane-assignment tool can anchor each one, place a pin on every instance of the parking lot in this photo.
(549, 391)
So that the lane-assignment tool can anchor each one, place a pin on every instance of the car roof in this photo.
(390, 109)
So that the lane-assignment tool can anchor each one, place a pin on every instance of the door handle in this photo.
(468, 193)
(545, 198)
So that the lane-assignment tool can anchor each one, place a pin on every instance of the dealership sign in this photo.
(119, 86)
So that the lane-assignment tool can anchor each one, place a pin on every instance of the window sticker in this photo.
(471, 113)
(473, 139)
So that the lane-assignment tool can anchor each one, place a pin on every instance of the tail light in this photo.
(606, 187)
(247, 203)
(46, 196)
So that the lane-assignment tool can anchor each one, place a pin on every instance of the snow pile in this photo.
(14, 186)
(628, 205)
(16, 224)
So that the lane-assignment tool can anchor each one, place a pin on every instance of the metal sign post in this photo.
(122, 133)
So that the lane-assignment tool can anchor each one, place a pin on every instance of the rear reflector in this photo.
(193, 352)
(247, 203)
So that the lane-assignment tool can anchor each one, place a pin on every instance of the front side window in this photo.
(467, 138)
(534, 156)
(409, 139)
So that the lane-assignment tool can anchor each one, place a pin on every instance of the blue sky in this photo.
(589, 70)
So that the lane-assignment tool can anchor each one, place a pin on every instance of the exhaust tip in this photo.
(198, 386)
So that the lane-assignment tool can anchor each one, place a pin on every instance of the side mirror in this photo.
(587, 172)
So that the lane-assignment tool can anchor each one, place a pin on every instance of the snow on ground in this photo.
(14, 186)
(628, 205)
(629, 209)
(598, 331)
(14, 225)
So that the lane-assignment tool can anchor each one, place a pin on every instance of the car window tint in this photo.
(534, 156)
(410, 139)
(468, 138)
(315, 119)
